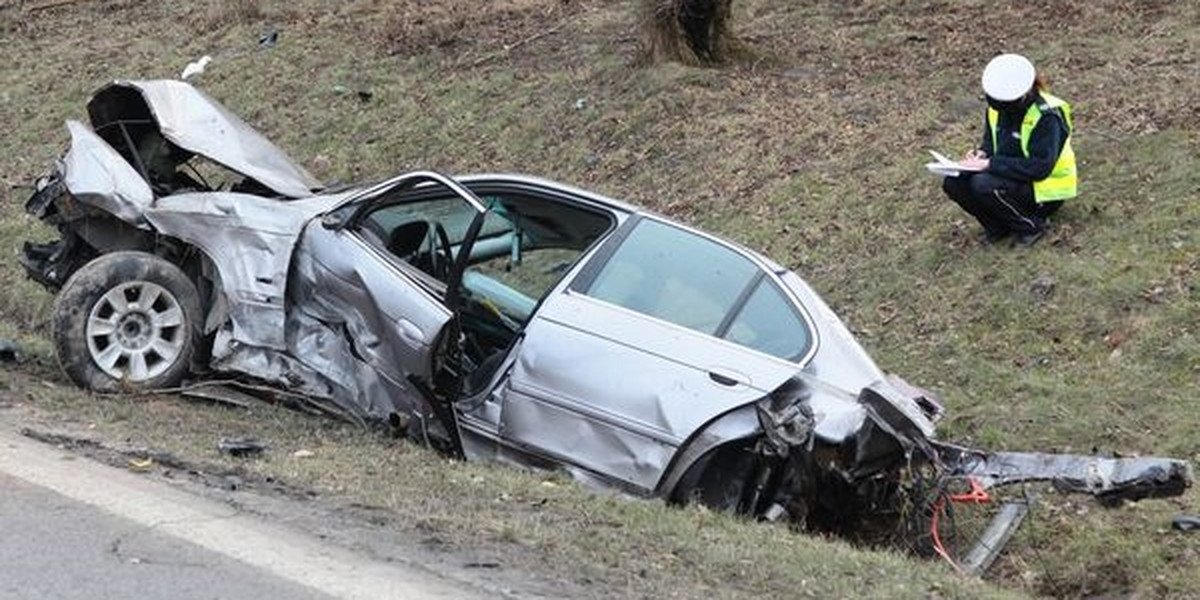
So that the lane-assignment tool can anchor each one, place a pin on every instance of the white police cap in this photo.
(1007, 77)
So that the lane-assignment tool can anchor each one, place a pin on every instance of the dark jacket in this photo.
(1045, 143)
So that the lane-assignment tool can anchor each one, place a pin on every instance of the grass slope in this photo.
(812, 153)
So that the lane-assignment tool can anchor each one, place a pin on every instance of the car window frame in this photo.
(421, 184)
(765, 274)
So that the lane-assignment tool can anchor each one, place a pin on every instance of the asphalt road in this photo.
(73, 528)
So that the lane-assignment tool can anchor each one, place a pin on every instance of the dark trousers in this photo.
(1001, 206)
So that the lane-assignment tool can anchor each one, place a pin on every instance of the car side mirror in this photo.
(333, 220)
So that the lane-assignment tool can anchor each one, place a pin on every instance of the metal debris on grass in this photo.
(241, 446)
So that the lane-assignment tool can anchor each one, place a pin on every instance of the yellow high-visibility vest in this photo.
(1063, 181)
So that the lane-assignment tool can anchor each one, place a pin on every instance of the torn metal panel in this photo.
(328, 354)
(216, 392)
(249, 241)
(899, 415)
(97, 175)
(192, 120)
(993, 540)
(1111, 480)
(393, 328)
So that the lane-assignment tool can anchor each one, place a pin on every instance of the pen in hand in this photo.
(975, 160)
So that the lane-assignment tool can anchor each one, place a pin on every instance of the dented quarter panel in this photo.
(740, 423)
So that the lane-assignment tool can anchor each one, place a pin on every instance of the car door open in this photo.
(382, 271)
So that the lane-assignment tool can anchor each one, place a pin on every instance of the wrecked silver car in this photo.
(493, 316)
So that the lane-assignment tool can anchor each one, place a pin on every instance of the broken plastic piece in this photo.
(195, 67)
(996, 536)
(1185, 523)
(9, 351)
(241, 446)
(140, 464)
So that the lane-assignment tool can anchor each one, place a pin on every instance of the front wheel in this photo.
(126, 320)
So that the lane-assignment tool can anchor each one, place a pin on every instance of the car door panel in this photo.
(393, 323)
(637, 386)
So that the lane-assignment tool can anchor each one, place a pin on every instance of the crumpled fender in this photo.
(97, 175)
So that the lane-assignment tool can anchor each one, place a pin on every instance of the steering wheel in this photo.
(441, 257)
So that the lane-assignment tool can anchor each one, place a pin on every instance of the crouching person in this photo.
(1024, 167)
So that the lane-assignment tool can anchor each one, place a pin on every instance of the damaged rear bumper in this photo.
(1112, 480)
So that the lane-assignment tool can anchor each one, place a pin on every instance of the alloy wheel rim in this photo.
(135, 332)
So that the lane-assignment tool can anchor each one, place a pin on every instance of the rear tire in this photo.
(127, 320)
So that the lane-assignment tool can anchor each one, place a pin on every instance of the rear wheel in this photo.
(127, 320)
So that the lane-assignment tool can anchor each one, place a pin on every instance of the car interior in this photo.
(525, 246)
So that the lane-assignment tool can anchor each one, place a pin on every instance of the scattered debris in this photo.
(1185, 523)
(320, 164)
(303, 453)
(482, 565)
(10, 352)
(241, 447)
(362, 95)
(1042, 288)
(141, 465)
(269, 40)
(219, 393)
(195, 68)
(996, 536)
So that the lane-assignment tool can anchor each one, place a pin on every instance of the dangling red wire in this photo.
(938, 507)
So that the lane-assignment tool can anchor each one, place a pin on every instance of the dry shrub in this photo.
(694, 32)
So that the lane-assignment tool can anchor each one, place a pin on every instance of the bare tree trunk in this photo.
(687, 31)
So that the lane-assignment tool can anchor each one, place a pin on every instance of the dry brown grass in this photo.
(224, 13)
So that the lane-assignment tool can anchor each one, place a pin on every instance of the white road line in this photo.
(286, 553)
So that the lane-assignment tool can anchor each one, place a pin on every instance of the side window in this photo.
(687, 279)
(768, 323)
(425, 233)
(674, 275)
(525, 245)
